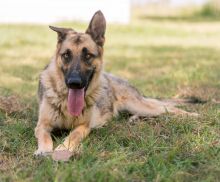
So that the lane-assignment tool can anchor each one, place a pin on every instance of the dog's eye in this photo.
(88, 56)
(65, 55)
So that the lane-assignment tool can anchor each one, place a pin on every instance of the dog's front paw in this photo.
(43, 153)
(62, 155)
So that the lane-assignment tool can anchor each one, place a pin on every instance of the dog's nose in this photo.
(74, 82)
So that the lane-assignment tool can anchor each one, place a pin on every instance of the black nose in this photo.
(74, 82)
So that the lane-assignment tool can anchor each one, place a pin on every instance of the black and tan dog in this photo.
(75, 93)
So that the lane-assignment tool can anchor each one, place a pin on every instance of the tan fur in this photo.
(105, 97)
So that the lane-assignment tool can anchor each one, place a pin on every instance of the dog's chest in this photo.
(64, 119)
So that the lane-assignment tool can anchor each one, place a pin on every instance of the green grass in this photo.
(162, 58)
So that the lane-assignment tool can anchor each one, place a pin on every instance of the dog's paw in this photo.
(134, 119)
(62, 155)
(39, 153)
(193, 114)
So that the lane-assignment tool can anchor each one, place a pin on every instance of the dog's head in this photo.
(79, 57)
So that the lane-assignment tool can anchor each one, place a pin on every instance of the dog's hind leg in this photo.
(128, 98)
(146, 107)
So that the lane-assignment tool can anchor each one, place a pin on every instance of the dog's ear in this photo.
(61, 32)
(97, 28)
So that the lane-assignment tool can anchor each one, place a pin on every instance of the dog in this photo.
(76, 94)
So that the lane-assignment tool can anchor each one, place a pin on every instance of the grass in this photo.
(162, 58)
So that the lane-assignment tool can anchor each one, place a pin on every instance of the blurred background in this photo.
(40, 11)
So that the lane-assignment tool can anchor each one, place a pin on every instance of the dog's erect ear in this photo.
(97, 28)
(61, 32)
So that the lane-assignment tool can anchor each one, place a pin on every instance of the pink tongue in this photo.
(75, 101)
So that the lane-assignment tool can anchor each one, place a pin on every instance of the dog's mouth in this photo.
(76, 98)
(75, 101)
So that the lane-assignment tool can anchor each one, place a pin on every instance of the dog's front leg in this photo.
(65, 150)
(45, 143)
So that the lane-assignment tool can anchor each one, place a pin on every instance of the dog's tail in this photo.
(183, 101)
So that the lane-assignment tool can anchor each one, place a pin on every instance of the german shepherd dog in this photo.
(74, 92)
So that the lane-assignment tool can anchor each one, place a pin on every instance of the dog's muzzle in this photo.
(74, 81)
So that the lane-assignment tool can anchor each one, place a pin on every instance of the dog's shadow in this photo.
(58, 134)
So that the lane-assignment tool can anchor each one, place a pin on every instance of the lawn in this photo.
(163, 58)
